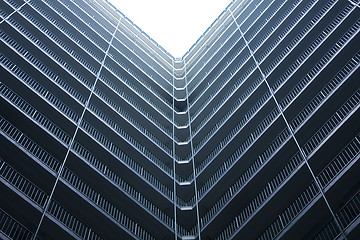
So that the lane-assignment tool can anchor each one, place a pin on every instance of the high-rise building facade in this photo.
(253, 134)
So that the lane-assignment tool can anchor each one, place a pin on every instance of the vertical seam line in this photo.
(15, 11)
(192, 157)
(289, 128)
(75, 133)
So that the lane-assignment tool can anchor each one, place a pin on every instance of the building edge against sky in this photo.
(253, 134)
(139, 27)
(175, 25)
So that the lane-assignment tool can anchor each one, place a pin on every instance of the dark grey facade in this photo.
(253, 134)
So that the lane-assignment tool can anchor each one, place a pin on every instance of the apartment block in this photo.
(253, 134)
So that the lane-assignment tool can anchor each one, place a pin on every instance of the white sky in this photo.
(174, 24)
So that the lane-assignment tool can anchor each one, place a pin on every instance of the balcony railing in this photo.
(238, 153)
(313, 46)
(278, 23)
(51, 54)
(219, 53)
(12, 228)
(93, 25)
(62, 84)
(309, 195)
(30, 191)
(246, 177)
(240, 125)
(70, 35)
(134, 104)
(325, 93)
(44, 69)
(126, 116)
(83, 14)
(347, 215)
(324, 10)
(225, 80)
(53, 165)
(316, 140)
(96, 43)
(323, 62)
(60, 43)
(269, 16)
(53, 129)
(124, 29)
(247, 93)
(42, 66)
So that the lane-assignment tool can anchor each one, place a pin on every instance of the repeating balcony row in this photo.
(236, 69)
(224, 69)
(75, 118)
(227, 45)
(209, 41)
(346, 216)
(348, 155)
(74, 73)
(228, 42)
(292, 95)
(244, 179)
(276, 27)
(100, 47)
(46, 71)
(142, 64)
(228, 95)
(206, 67)
(93, 68)
(59, 134)
(336, 120)
(71, 36)
(115, 127)
(251, 27)
(111, 55)
(321, 65)
(10, 6)
(135, 37)
(284, 104)
(315, 20)
(38, 198)
(12, 228)
(330, 28)
(212, 55)
(52, 165)
(211, 34)
(202, 46)
(273, 28)
(64, 138)
(248, 116)
(107, 9)
(140, 38)
(343, 161)
(255, 45)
